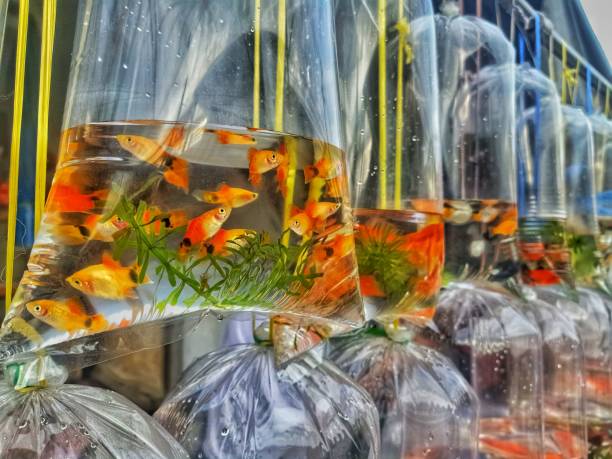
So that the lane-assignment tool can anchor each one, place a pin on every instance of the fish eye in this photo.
(273, 156)
(77, 282)
(37, 308)
(296, 223)
(119, 219)
(221, 210)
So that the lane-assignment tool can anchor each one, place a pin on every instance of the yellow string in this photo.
(44, 92)
(257, 64)
(382, 103)
(22, 36)
(403, 27)
(569, 81)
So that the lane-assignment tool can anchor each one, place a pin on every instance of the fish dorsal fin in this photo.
(109, 261)
(252, 152)
(224, 188)
(75, 306)
(310, 206)
(295, 210)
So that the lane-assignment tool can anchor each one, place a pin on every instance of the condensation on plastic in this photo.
(426, 408)
(72, 422)
(476, 79)
(540, 148)
(372, 135)
(140, 67)
(234, 402)
(499, 351)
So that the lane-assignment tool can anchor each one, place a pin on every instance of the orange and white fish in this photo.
(108, 279)
(324, 168)
(227, 196)
(260, 162)
(321, 211)
(92, 228)
(457, 212)
(217, 245)
(174, 169)
(301, 223)
(203, 227)
(232, 138)
(153, 219)
(508, 224)
(314, 216)
(340, 246)
(68, 198)
(543, 277)
(336, 187)
(67, 315)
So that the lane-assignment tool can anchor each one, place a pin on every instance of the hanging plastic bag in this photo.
(178, 189)
(234, 402)
(65, 421)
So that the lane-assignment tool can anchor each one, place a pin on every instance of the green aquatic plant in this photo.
(255, 271)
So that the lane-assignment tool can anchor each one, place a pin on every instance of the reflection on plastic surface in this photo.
(235, 403)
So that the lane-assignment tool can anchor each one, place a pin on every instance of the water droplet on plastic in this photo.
(124, 66)
(99, 59)
(415, 138)
(221, 21)
(147, 95)
(224, 432)
(24, 424)
(343, 416)
(139, 28)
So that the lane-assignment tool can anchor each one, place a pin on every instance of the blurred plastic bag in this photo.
(78, 422)
(426, 408)
(234, 403)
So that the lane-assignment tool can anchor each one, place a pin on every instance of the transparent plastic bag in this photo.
(234, 402)
(78, 422)
(184, 186)
(426, 409)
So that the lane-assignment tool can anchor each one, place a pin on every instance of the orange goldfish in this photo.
(67, 315)
(377, 231)
(425, 246)
(324, 168)
(369, 286)
(338, 247)
(68, 198)
(154, 219)
(91, 229)
(505, 448)
(432, 206)
(260, 162)
(217, 245)
(204, 227)
(336, 187)
(227, 196)
(175, 170)
(543, 277)
(508, 224)
(301, 223)
(231, 138)
(108, 280)
(457, 212)
(321, 211)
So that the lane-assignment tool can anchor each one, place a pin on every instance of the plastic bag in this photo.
(178, 190)
(235, 403)
(426, 408)
(78, 422)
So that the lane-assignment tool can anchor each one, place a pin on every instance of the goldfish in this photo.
(336, 187)
(231, 138)
(301, 223)
(505, 448)
(508, 224)
(321, 211)
(543, 277)
(324, 168)
(312, 217)
(68, 198)
(431, 206)
(377, 231)
(370, 287)
(204, 227)
(175, 170)
(217, 245)
(154, 219)
(108, 280)
(457, 212)
(338, 247)
(425, 246)
(92, 228)
(227, 196)
(67, 315)
(260, 162)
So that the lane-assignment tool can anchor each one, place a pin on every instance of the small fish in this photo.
(260, 162)
(108, 280)
(324, 168)
(154, 219)
(543, 277)
(340, 246)
(217, 245)
(92, 228)
(231, 138)
(301, 223)
(505, 448)
(67, 198)
(321, 211)
(457, 212)
(369, 287)
(336, 187)
(227, 196)
(507, 226)
(204, 227)
(67, 315)
(176, 172)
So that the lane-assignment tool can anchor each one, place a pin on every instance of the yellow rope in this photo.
(569, 81)
(22, 36)
(280, 66)
(44, 92)
(382, 103)
(257, 64)
(403, 27)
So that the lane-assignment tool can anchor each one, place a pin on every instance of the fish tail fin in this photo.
(255, 179)
(98, 323)
(310, 172)
(251, 153)
(176, 137)
(211, 197)
(223, 137)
